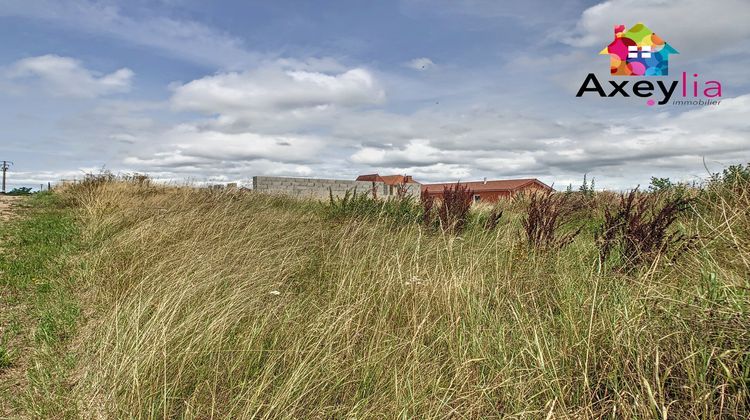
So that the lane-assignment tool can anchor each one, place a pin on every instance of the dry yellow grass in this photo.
(203, 304)
(7, 203)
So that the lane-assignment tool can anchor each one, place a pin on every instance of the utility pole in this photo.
(5, 167)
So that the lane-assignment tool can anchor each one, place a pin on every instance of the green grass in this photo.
(5, 358)
(362, 205)
(40, 309)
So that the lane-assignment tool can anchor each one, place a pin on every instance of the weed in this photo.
(429, 210)
(453, 211)
(544, 217)
(640, 228)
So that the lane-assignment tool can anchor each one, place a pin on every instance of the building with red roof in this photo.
(388, 179)
(392, 182)
(491, 191)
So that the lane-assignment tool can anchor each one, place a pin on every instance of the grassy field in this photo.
(124, 299)
(38, 308)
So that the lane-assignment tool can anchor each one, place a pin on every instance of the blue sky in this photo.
(442, 90)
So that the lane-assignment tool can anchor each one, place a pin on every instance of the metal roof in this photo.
(495, 185)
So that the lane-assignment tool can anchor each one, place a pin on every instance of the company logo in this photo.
(638, 52)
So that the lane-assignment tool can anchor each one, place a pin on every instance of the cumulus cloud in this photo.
(417, 152)
(469, 144)
(41, 178)
(274, 92)
(420, 64)
(438, 172)
(620, 148)
(187, 145)
(431, 143)
(319, 117)
(278, 90)
(694, 27)
(67, 77)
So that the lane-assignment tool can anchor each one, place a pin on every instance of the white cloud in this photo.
(65, 76)
(188, 145)
(420, 64)
(318, 117)
(37, 179)
(696, 28)
(417, 152)
(622, 151)
(433, 144)
(276, 96)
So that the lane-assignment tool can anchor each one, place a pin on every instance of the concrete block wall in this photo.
(414, 190)
(317, 188)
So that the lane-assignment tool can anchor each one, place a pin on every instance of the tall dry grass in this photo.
(209, 304)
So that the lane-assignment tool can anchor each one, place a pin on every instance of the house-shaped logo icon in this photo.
(638, 52)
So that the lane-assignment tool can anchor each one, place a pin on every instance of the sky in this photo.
(443, 90)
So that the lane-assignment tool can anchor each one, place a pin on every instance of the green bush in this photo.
(20, 191)
(402, 210)
(735, 175)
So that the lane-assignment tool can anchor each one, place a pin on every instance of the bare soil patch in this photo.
(7, 205)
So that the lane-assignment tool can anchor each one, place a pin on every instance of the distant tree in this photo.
(586, 188)
(660, 184)
(736, 174)
(585, 185)
(20, 191)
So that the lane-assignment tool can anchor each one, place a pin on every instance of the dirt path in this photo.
(7, 203)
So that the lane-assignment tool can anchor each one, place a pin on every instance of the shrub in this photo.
(454, 209)
(545, 215)
(666, 186)
(451, 212)
(142, 180)
(587, 189)
(660, 184)
(735, 175)
(20, 191)
(400, 209)
(351, 204)
(428, 209)
(639, 228)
